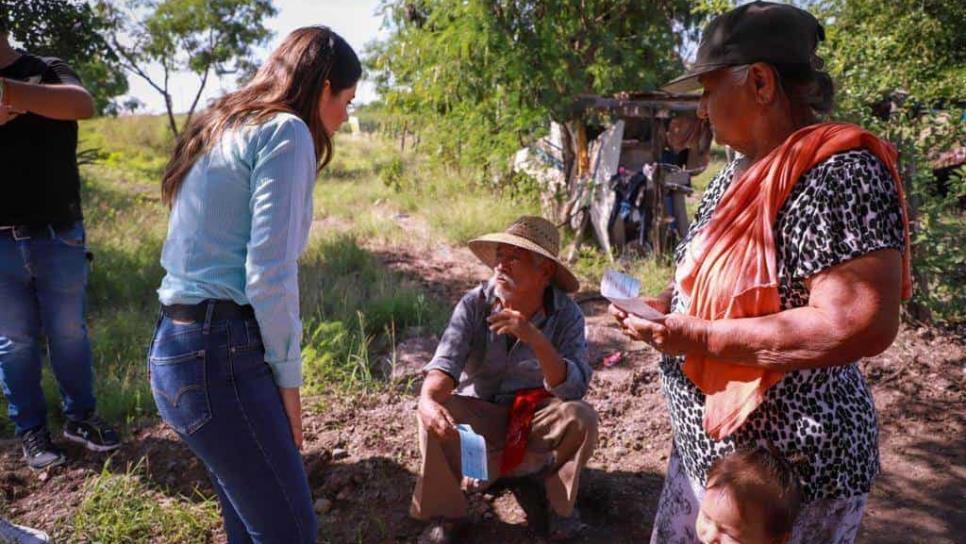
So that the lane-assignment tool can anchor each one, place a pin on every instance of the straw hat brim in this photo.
(484, 248)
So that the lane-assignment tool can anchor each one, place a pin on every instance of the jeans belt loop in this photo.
(21, 233)
(209, 312)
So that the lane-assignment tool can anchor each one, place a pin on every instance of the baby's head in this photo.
(752, 498)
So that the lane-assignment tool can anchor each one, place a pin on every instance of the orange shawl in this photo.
(729, 269)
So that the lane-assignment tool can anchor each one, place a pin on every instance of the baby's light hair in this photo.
(756, 476)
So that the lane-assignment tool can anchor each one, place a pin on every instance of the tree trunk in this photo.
(170, 109)
(560, 205)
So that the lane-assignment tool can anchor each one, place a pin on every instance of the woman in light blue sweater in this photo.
(225, 360)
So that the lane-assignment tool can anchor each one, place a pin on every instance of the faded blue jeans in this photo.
(43, 278)
(213, 387)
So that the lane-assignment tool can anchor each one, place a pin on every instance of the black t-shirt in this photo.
(38, 155)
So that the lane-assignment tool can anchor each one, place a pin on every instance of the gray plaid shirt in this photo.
(493, 367)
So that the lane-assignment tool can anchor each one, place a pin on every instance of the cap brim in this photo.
(689, 81)
(484, 248)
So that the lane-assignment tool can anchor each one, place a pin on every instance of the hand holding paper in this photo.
(624, 292)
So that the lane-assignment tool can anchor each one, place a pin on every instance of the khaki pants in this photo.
(562, 438)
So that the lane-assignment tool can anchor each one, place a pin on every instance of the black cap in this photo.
(755, 32)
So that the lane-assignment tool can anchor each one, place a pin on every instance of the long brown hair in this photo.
(290, 81)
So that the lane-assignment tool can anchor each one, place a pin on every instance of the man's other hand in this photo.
(437, 419)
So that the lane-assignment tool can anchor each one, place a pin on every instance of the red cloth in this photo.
(730, 268)
(518, 426)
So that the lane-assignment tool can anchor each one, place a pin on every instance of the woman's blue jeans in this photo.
(212, 385)
(43, 277)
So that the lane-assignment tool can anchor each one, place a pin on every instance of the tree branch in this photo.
(129, 63)
(204, 80)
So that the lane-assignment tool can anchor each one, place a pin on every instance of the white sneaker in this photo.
(16, 534)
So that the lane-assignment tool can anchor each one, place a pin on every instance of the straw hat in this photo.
(534, 234)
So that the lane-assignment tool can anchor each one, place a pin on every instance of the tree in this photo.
(73, 31)
(132, 104)
(900, 69)
(200, 36)
(479, 78)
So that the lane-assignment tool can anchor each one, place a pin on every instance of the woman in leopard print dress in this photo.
(839, 240)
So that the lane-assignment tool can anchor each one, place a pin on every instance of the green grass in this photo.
(135, 144)
(126, 226)
(369, 171)
(351, 300)
(591, 264)
(123, 507)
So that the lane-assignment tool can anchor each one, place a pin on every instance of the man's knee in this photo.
(580, 415)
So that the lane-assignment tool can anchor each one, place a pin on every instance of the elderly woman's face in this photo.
(728, 103)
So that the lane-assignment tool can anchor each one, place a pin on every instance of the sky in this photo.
(354, 20)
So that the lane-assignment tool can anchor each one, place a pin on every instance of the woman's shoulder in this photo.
(284, 125)
(280, 132)
(855, 166)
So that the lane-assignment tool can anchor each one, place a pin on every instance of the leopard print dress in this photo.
(845, 207)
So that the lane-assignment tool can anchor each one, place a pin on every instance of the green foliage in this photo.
(391, 174)
(73, 31)
(900, 66)
(122, 507)
(349, 300)
(200, 36)
(477, 79)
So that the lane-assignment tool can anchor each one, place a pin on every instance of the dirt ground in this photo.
(361, 453)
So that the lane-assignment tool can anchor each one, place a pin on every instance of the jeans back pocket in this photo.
(180, 389)
(75, 236)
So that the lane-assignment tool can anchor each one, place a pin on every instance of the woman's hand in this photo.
(661, 303)
(292, 402)
(675, 335)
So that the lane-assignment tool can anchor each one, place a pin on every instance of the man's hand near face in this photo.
(512, 322)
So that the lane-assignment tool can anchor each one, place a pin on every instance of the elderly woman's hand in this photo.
(661, 303)
(676, 335)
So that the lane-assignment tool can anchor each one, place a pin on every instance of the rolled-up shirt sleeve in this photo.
(454, 347)
(571, 344)
(282, 178)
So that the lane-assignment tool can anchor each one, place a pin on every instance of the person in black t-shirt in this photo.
(43, 257)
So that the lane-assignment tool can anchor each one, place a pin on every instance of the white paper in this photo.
(472, 453)
(624, 292)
